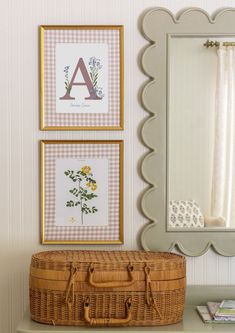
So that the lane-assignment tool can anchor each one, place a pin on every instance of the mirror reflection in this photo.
(200, 132)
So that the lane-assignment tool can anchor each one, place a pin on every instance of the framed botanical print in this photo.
(81, 77)
(82, 192)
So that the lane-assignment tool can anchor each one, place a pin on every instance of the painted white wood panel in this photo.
(19, 135)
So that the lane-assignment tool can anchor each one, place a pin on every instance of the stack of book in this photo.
(220, 313)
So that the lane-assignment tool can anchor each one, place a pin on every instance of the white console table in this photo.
(196, 295)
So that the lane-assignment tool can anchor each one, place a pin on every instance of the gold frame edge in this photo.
(44, 127)
(121, 192)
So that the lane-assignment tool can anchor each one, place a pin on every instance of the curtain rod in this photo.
(211, 43)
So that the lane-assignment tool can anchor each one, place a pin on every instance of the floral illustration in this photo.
(84, 192)
(86, 169)
(66, 75)
(72, 219)
(95, 66)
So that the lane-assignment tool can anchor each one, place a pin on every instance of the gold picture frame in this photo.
(96, 164)
(106, 111)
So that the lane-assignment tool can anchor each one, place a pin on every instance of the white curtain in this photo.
(223, 175)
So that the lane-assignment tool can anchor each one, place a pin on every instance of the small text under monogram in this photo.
(79, 105)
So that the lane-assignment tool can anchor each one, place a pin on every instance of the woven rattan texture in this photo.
(112, 288)
(53, 310)
(108, 259)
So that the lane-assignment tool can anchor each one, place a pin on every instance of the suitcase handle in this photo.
(110, 284)
(107, 321)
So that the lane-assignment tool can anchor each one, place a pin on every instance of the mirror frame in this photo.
(157, 24)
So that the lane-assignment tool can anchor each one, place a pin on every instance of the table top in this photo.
(192, 323)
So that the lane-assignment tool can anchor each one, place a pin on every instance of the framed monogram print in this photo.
(81, 84)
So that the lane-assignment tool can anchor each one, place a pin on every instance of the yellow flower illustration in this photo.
(93, 187)
(86, 169)
(81, 194)
(72, 219)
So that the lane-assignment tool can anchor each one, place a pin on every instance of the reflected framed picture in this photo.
(81, 78)
(82, 192)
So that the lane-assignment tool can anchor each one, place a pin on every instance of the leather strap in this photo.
(149, 293)
(69, 298)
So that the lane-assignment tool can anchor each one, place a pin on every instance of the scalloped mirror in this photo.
(190, 131)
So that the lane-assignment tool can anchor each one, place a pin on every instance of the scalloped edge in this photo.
(153, 222)
(176, 18)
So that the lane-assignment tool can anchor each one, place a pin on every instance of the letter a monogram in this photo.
(87, 82)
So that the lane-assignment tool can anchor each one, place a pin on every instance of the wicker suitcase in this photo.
(107, 288)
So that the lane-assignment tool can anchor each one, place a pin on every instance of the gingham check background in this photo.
(111, 37)
(76, 233)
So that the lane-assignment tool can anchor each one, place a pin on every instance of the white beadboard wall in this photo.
(19, 136)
